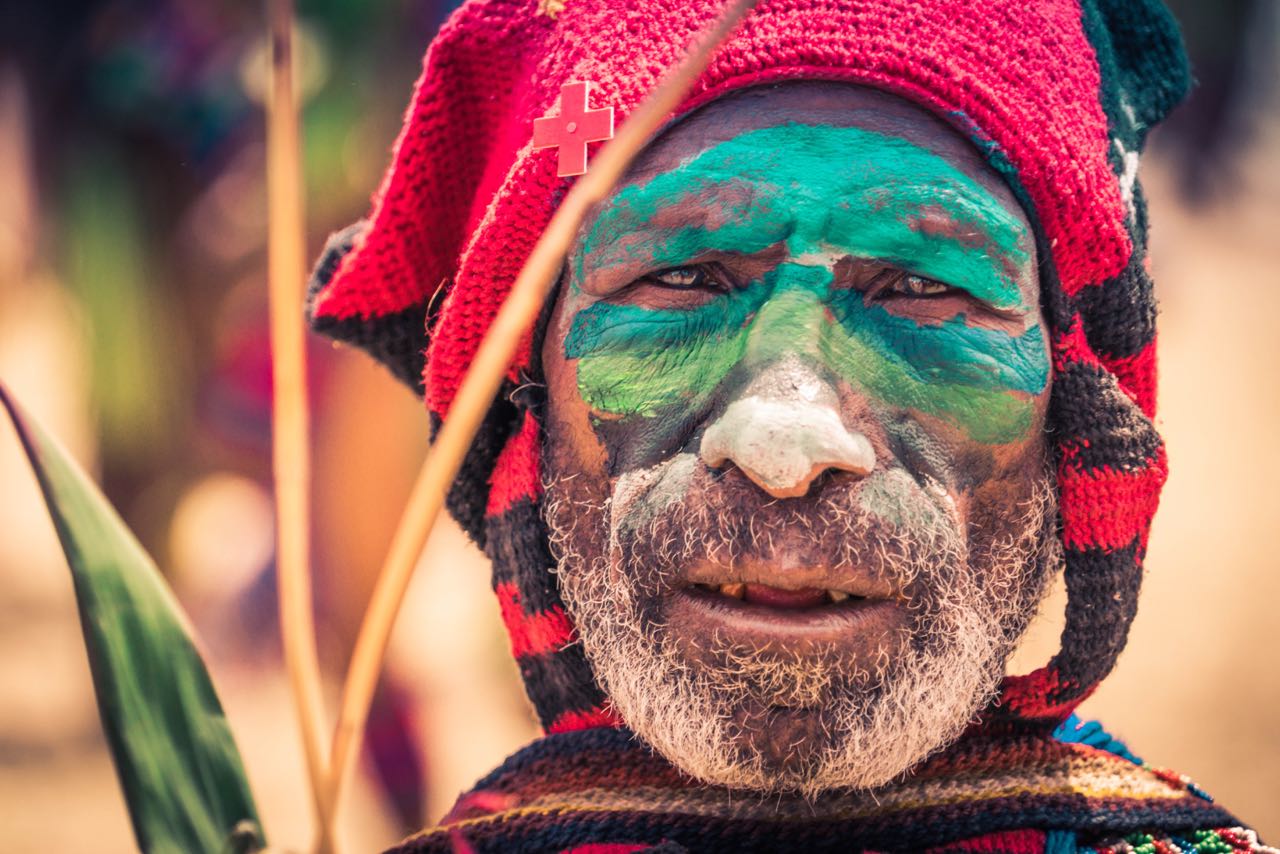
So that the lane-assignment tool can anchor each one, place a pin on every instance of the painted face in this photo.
(797, 365)
(866, 255)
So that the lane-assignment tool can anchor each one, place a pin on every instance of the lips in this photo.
(795, 622)
(789, 605)
(778, 597)
(788, 579)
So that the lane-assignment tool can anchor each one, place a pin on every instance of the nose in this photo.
(785, 431)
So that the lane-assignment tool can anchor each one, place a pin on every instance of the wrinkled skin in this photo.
(798, 350)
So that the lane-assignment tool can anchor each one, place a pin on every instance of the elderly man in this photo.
(857, 356)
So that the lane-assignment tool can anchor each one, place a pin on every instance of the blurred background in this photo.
(133, 324)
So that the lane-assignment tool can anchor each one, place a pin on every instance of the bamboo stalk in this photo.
(290, 438)
(481, 384)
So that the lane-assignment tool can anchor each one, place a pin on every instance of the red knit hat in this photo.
(1057, 94)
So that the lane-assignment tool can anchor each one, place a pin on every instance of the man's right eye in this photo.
(682, 278)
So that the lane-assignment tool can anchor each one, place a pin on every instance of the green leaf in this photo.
(178, 765)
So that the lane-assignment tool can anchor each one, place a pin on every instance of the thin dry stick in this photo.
(481, 384)
(290, 439)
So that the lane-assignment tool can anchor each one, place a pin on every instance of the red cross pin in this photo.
(573, 129)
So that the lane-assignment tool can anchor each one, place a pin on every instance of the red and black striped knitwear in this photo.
(1058, 94)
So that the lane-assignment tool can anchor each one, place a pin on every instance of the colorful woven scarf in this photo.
(599, 790)
(1058, 95)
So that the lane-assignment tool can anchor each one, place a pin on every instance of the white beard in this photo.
(879, 718)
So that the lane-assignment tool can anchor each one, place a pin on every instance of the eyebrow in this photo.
(646, 233)
(848, 189)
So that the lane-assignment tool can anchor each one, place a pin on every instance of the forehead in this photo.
(841, 105)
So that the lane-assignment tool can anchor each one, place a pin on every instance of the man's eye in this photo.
(918, 286)
(890, 283)
(682, 278)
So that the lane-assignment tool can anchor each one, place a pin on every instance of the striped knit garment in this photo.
(596, 791)
(1059, 96)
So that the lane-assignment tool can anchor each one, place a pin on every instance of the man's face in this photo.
(797, 377)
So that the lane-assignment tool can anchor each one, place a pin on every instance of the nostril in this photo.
(784, 445)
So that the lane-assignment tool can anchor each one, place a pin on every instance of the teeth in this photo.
(738, 590)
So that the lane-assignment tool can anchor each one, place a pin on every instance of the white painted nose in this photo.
(784, 444)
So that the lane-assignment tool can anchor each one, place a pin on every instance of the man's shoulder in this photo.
(1092, 734)
(1077, 790)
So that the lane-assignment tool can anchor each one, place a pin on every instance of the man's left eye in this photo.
(918, 286)
(891, 283)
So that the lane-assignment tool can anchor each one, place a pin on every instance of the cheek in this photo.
(988, 383)
(569, 434)
(627, 386)
(639, 363)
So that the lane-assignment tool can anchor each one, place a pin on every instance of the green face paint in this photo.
(822, 193)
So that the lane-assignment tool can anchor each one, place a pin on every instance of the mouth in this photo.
(779, 597)
(792, 619)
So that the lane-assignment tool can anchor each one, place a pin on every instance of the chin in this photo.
(722, 727)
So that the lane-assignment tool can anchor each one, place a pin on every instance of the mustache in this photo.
(886, 525)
